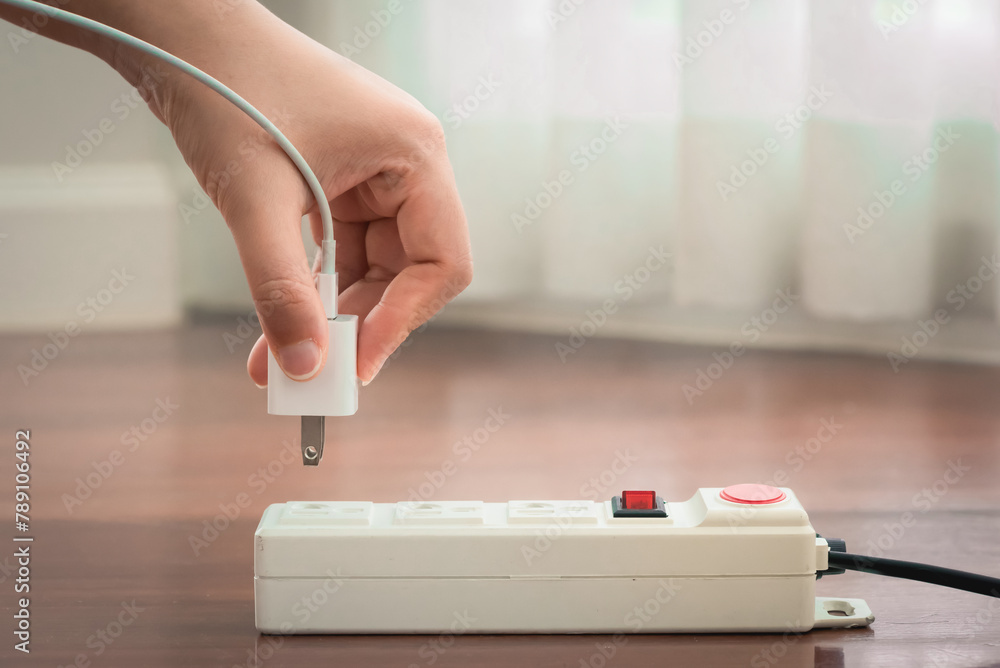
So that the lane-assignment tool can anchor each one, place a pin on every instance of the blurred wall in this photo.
(91, 182)
(83, 195)
(90, 185)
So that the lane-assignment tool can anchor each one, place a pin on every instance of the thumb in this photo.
(267, 231)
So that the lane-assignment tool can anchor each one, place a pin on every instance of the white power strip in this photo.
(739, 559)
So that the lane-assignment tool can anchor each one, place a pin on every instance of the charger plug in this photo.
(333, 392)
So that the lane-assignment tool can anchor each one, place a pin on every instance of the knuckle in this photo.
(426, 138)
(418, 139)
(228, 193)
(280, 294)
(429, 129)
(462, 274)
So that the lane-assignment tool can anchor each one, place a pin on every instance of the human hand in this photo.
(402, 242)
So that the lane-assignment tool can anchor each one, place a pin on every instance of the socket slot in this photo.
(349, 513)
(439, 512)
(546, 512)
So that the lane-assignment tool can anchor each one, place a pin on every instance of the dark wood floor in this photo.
(128, 543)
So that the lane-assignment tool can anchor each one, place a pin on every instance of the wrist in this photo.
(205, 34)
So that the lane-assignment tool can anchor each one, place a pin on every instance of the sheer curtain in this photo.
(840, 153)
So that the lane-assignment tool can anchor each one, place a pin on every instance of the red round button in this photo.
(752, 493)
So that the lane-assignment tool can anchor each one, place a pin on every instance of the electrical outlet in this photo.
(351, 513)
(439, 512)
(562, 512)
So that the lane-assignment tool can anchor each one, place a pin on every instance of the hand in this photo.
(402, 242)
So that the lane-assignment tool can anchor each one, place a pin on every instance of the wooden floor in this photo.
(127, 541)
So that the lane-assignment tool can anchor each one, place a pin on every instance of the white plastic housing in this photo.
(333, 392)
(541, 567)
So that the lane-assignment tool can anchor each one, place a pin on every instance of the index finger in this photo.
(435, 238)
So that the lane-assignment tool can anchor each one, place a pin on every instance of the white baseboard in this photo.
(966, 337)
(97, 249)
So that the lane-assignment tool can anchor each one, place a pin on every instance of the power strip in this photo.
(739, 559)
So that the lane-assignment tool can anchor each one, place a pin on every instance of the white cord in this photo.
(328, 252)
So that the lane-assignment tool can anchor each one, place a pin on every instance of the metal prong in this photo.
(313, 435)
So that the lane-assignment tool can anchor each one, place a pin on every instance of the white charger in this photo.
(333, 392)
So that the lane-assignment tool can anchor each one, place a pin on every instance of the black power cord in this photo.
(946, 577)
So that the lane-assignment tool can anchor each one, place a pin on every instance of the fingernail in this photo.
(377, 369)
(300, 361)
(260, 387)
